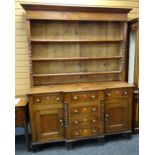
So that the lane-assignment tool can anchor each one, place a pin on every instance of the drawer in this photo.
(55, 98)
(84, 96)
(117, 93)
(18, 117)
(85, 121)
(86, 132)
(84, 110)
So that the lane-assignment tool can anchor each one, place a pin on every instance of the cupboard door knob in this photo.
(94, 131)
(93, 96)
(58, 99)
(76, 133)
(60, 120)
(106, 119)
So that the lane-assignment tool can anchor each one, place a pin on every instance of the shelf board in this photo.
(74, 74)
(74, 41)
(76, 58)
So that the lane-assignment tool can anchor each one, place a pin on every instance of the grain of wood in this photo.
(21, 34)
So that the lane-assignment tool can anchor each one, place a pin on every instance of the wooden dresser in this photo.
(77, 72)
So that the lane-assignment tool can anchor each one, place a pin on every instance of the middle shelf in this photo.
(73, 74)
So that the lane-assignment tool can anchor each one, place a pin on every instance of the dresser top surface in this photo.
(67, 7)
(77, 87)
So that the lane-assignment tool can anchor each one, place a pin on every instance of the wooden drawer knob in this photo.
(126, 93)
(37, 100)
(117, 92)
(47, 97)
(94, 109)
(84, 95)
(75, 110)
(76, 133)
(94, 131)
(85, 119)
(84, 109)
(76, 122)
(93, 96)
(75, 97)
(108, 94)
(106, 115)
(85, 130)
(58, 99)
(94, 120)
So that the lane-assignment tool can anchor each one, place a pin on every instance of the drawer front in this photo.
(84, 96)
(18, 117)
(117, 93)
(84, 110)
(55, 98)
(85, 121)
(86, 132)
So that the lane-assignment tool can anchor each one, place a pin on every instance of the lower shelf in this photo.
(74, 74)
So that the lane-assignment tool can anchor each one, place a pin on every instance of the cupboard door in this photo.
(117, 115)
(49, 124)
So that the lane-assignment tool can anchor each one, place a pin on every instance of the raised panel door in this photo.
(116, 115)
(49, 124)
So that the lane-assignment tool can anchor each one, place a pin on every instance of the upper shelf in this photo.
(72, 41)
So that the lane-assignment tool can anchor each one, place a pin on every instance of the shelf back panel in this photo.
(75, 39)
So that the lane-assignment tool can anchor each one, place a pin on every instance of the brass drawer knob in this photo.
(58, 99)
(93, 96)
(94, 109)
(76, 122)
(75, 110)
(75, 97)
(126, 93)
(76, 133)
(85, 130)
(85, 119)
(108, 94)
(37, 100)
(84, 109)
(47, 97)
(117, 92)
(84, 95)
(94, 131)
(94, 120)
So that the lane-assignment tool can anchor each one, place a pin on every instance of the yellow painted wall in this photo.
(22, 66)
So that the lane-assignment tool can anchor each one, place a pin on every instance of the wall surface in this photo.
(22, 69)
